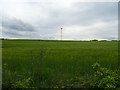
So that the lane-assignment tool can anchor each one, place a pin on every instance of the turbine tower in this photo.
(61, 33)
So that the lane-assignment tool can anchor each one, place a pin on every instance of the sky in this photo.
(42, 19)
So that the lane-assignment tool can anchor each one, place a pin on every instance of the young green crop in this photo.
(53, 64)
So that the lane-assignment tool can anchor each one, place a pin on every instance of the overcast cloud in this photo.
(43, 19)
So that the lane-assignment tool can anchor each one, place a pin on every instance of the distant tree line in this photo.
(3, 38)
(80, 40)
(103, 40)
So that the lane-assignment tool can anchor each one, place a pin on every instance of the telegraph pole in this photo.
(61, 33)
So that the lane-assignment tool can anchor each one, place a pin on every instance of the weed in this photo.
(105, 78)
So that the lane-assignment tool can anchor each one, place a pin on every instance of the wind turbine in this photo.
(61, 33)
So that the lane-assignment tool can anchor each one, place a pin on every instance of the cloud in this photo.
(79, 14)
(80, 20)
(15, 28)
(15, 24)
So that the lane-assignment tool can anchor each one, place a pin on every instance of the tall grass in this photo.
(48, 64)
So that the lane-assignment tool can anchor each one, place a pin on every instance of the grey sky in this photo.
(43, 19)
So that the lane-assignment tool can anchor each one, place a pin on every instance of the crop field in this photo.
(55, 64)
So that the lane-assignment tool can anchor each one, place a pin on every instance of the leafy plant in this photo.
(24, 83)
(104, 78)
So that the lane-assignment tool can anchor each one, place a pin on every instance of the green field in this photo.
(55, 64)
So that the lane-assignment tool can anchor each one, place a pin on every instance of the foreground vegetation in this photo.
(59, 64)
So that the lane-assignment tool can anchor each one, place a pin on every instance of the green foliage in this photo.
(105, 78)
(25, 83)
